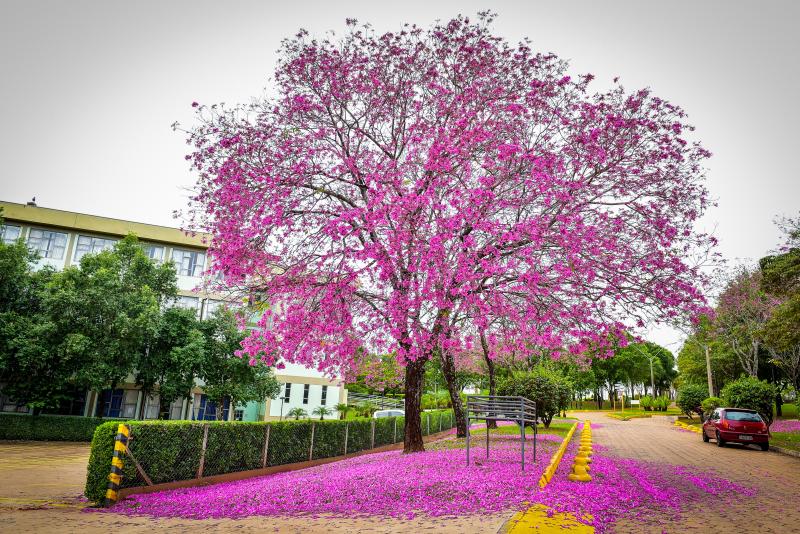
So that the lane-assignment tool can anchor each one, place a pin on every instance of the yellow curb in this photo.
(537, 519)
(556, 458)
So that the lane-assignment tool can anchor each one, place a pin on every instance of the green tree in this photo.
(226, 375)
(751, 393)
(322, 411)
(297, 413)
(34, 369)
(343, 408)
(690, 399)
(172, 358)
(542, 385)
(107, 309)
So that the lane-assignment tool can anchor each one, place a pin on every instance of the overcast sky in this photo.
(88, 90)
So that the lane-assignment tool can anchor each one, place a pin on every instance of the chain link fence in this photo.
(169, 451)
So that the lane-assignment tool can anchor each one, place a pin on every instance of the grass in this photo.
(637, 414)
(557, 428)
(787, 440)
(788, 411)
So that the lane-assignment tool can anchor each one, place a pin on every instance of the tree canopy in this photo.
(402, 190)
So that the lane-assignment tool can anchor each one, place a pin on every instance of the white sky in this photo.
(88, 89)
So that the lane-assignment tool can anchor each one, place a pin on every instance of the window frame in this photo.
(52, 239)
(92, 246)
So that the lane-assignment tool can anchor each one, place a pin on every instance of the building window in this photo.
(324, 399)
(92, 245)
(212, 306)
(7, 404)
(48, 244)
(306, 388)
(154, 252)
(189, 263)
(188, 303)
(208, 409)
(111, 402)
(287, 392)
(238, 415)
(9, 233)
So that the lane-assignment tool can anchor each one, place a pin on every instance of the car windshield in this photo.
(742, 416)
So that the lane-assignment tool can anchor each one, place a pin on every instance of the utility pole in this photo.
(708, 372)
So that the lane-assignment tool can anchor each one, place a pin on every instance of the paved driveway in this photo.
(776, 507)
(34, 473)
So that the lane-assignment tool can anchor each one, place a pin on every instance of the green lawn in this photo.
(634, 414)
(787, 440)
(789, 411)
(559, 428)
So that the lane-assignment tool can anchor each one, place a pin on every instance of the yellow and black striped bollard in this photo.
(117, 463)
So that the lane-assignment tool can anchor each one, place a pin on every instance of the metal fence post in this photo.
(372, 442)
(266, 448)
(311, 448)
(203, 452)
(394, 433)
(346, 431)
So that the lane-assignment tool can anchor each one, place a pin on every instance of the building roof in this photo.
(68, 220)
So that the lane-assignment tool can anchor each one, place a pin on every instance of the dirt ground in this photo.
(41, 484)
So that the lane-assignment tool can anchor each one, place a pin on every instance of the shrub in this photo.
(710, 404)
(646, 402)
(690, 399)
(751, 393)
(549, 390)
(48, 427)
(171, 450)
(661, 404)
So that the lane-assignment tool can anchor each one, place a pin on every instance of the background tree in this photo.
(297, 413)
(343, 409)
(173, 357)
(226, 375)
(399, 183)
(34, 370)
(542, 385)
(690, 399)
(751, 393)
(743, 311)
(322, 411)
(106, 309)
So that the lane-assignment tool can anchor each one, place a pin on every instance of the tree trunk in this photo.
(778, 404)
(412, 440)
(449, 372)
(492, 379)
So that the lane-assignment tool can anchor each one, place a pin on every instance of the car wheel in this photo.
(720, 441)
(764, 446)
(705, 436)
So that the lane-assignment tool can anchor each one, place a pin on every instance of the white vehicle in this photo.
(395, 412)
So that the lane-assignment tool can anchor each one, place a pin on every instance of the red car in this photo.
(736, 425)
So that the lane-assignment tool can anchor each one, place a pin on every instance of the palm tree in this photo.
(322, 411)
(343, 408)
(297, 413)
(366, 409)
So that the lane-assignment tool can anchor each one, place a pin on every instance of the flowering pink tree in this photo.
(401, 188)
(741, 315)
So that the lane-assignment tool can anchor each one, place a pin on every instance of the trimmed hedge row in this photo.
(171, 450)
(48, 427)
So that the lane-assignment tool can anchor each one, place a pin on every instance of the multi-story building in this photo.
(61, 238)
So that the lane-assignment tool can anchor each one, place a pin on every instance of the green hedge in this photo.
(171, 450)
(48, 427)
